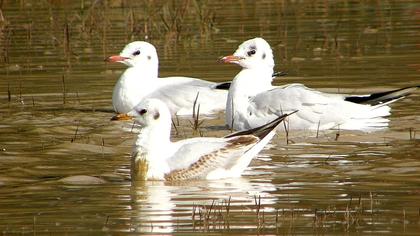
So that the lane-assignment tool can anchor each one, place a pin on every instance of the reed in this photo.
(75, 133)
(106, 220)
(226, 221)
(66, 44)
(102, 146)
(286, 129)
(216, 216)
(29, 33)
(206, 18)
(63, 80)
(5, 37)
(9, 94)
(173, 17)
(196, 123)
(259, 213)
(317, 128)
(176, 128)
(1, 12)
(232, 117)
(348, 218)
(337, 135)
(412, 133)
(20, 93)
(104, 32)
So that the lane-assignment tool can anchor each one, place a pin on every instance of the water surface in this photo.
(64, 167)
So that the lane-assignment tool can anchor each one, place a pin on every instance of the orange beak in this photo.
(230, 59)
(120, 116)
(115, 58)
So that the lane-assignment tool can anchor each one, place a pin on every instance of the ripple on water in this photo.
(65, 168)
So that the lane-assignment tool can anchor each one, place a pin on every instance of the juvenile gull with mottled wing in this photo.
(155, 157)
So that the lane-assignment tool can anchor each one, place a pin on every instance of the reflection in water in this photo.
(164, 207)
(152, 202)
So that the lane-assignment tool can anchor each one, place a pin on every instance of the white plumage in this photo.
(252, 100)
(140, 80)
(155, 157)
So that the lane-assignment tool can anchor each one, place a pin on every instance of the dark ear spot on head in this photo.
(156, 115)
(263, 56)
(149, 57)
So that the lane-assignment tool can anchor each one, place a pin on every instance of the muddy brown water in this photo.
(64, 167)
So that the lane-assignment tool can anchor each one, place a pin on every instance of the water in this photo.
(64, 167)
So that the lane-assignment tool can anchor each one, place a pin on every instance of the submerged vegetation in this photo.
(76, 34)
(170, 22)
(352, 216)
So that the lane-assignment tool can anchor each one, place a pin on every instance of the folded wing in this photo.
(317, 110)
(202, 156)
(180, 93)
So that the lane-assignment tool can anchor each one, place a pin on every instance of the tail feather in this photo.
(382, 97)
(263, 130)
(222, 86)
(265, 133)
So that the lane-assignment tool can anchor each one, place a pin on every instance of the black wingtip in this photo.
(263, 130)
(223, 86)
(382, 97)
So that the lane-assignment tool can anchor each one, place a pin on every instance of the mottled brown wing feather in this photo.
(213, 160)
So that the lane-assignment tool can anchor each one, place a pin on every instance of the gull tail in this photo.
(262, 131)
(382, 97)
(265, 133)
(222, 85)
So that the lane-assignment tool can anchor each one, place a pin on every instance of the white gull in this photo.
(253, 100)
(155, 157)
(140, 80)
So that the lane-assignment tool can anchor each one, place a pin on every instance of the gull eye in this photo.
(142, 112)
(136, 53)
(252, 52)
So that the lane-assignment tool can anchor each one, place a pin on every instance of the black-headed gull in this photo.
(253, 101)
(140, 80)
(155, 157)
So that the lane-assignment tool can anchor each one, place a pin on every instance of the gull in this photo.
(140, 80)
(253, 100)
(155, 157)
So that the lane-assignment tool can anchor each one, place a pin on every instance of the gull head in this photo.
(151, 112)
(253, 53)
(136, 53)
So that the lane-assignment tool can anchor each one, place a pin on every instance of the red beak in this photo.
(115, 58)
(230, 59)
(122, 117)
